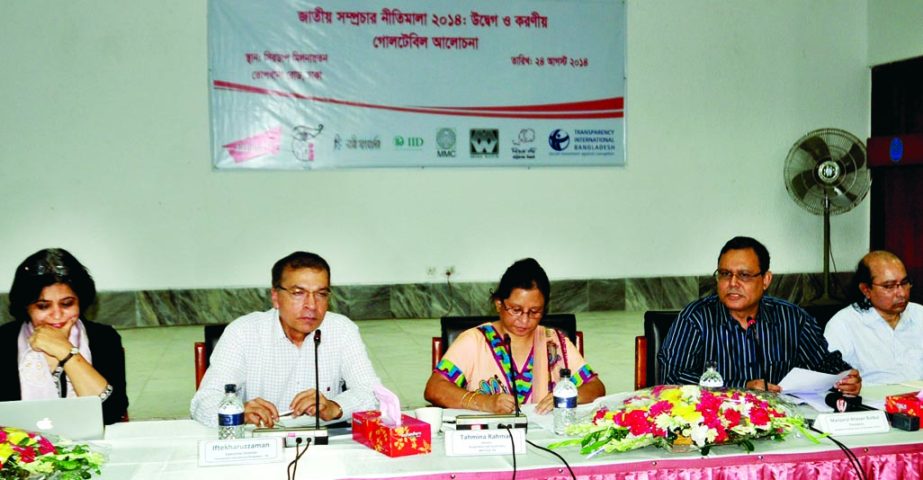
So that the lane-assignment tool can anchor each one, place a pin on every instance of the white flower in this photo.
(691, 392)
(699, 435)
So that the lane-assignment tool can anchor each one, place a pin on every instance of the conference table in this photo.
(169, 449)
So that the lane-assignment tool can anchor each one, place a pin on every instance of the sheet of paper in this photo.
(303, 421)
(813, 400)
(800, 380)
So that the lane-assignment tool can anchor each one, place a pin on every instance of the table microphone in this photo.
(497, 421)
(514, 375)
(751, 322)
(292, 435)
(845, 403)
(318, 440)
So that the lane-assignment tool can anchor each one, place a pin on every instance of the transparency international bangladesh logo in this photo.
(485, 143)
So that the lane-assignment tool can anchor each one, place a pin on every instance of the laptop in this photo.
(78, 418)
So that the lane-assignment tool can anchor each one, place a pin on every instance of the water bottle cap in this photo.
(565, 373)
(230, 388)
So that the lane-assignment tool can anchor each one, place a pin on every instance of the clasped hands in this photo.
(263, 413)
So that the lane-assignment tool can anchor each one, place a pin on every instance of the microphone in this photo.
(294, 436)
(499, 420)
(318, 440)
(843, 403)
(758, 346)
(514, 375)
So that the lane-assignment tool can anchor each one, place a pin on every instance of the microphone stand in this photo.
(498, 421)
(751, 323)
(295, 435)
(320, 433)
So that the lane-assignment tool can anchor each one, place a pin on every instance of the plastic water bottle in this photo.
(565, 402)
(230, 414)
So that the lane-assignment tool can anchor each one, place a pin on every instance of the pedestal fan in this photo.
(826, 173)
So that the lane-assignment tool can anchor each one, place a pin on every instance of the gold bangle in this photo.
(464, 400)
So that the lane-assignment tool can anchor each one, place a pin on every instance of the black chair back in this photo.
(656, 325)
(452, 326)
(212, 334)
(823, 313)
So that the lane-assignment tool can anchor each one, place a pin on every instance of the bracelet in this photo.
(106, 393)
(466, 398)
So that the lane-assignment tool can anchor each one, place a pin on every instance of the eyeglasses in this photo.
(744, 277)
(300, 295)
(517, 311)
(892, 286)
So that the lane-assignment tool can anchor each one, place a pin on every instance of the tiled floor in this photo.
(161, 374)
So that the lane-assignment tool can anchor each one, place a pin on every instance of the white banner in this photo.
(298, 85)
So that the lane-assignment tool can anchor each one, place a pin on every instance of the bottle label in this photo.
(565, 402)
(230, 419)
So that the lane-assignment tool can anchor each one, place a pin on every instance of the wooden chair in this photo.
(656, 325)
(452, 326)
(203, 350)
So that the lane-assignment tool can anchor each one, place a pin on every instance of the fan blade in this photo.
(815, 147)
(853, 159)
(802, 183)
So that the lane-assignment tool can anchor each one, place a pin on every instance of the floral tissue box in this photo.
(906, 403)
(410, 438)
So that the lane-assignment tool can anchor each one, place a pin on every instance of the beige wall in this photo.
(895, 30)
(104, 151)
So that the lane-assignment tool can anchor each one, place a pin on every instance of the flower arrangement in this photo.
(682, 418)
(26, 455)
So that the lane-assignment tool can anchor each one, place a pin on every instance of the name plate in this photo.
(852, 423)
(460, 443)
(240, 451)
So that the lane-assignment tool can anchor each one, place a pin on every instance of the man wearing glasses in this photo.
(752, 339)
(881, 333)
(270, 355)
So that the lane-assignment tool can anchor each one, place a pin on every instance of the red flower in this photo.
(759, 416)
(660, 407)
(637, 422)
(722, 434)
(26, 454)
(733, 417)
(45, 447)
(600, 414)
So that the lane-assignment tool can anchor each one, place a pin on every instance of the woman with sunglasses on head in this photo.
(477, 372)
(57, 352)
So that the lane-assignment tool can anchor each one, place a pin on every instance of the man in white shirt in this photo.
(270, 355)
(881, 333)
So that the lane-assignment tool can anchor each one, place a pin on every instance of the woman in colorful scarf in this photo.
(477, 372)
(52, 351)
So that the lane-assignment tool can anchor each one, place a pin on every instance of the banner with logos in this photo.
(339, 84)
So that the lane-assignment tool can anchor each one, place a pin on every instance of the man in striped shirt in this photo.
(753, 339)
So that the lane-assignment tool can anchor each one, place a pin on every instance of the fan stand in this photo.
(825, 299)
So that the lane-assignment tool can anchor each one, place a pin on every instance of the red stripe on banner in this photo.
(584, 110)
(617, 103)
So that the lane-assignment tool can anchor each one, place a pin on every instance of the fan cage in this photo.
(829, 164)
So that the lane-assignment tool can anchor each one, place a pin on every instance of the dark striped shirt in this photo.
(705, 331)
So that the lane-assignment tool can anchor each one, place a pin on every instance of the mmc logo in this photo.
(485, 142)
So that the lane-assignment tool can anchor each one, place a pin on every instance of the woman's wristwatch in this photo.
(74, 351)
